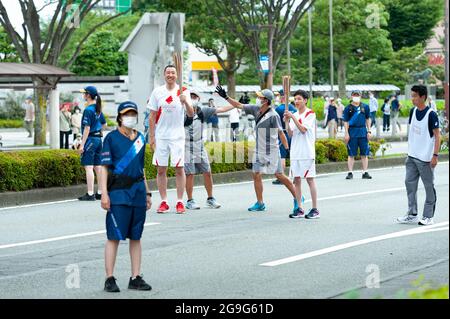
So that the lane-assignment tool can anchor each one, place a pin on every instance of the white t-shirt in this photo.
(171, 113)
(234, 116)
(303, 145)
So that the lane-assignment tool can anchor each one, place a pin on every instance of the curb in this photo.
(35, 196)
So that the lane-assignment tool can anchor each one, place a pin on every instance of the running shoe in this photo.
(298, 213)
(408, 219)
(366, 176)
(192, 205)
(111, 285)
(257, 207)
(88, 198)
(139, 283)
(313, 214)
(426, 221)
(163, 208)
(180, 208)
(212, 203)
(349, 176)
(276, 182)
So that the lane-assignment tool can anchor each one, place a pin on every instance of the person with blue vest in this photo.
(125, 194)
(357, 133)
(92, 123)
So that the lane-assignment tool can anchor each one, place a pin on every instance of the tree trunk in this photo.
(40, 128)
(231, 84)
(342, 76)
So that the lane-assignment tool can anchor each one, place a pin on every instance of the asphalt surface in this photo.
(224, 253)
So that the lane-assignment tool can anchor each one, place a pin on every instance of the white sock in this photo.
(90, 193)
(99, 192)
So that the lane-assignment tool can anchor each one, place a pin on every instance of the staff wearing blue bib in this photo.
(357, 133)
(92, 124)
(125, 195)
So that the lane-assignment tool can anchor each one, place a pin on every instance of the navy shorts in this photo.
(124, 222)
(355, 143)
(92, 152)
(284, 153)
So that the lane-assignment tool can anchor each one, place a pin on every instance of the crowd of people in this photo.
(175, 131)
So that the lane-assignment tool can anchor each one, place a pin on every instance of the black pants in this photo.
(64, 139)
(386, 122)
(234, 131)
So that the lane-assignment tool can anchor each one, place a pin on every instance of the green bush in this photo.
(336, 149)
(25, 170)
(321, 153)
(11, 123)
(374, 147)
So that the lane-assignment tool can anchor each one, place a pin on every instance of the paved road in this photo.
(231, 253)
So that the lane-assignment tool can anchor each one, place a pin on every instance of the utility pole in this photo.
(331, 49)
(271, 27)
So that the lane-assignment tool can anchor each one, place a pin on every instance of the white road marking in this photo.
(409, 232)
(48, 240)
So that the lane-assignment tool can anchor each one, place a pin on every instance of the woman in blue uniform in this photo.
(92, 124)
(125, 194)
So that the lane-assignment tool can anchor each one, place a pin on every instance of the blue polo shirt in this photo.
(280, 110)
(92, 119)
(357, 126)
(115, 146)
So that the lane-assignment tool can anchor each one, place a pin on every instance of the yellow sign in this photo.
(206, 66)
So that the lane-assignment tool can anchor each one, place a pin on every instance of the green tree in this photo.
(7, 51)
(41, 43)
(412, 21)
(101, 56)
(206, 32)
(357, 38)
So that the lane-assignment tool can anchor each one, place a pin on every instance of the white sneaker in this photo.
(426, 221)
(408, 219)
(192, 205)
(212, 203)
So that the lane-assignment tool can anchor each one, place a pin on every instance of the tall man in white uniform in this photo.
(168, 106)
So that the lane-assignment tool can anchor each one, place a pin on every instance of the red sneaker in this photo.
(163, 208)
(180, 208)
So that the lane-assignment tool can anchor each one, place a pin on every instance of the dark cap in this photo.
(357, 92)
(92, 90)
(127, 106)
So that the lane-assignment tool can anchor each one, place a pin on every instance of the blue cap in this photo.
(92, 90)
(127, 106)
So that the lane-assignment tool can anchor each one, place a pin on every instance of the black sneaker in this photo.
(298, 213)
(87, 197)
(138, 284)
(276, 182)
(313, 214)
(349, 176)
(110, 285)
(366, 176)
(98, 196)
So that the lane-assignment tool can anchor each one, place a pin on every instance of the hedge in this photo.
(11, 123)
(24, 170)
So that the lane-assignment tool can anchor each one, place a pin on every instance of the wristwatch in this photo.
(149, 194)
(436, 155)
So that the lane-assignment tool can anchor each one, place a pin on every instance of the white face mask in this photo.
(129, 121)
(356, 99)
(259, 102)
(195, 103)
(77, 111)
